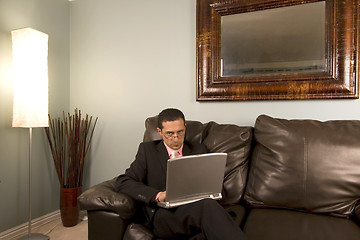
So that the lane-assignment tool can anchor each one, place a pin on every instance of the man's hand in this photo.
(162, 196)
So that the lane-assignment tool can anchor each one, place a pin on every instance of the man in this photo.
(145, 181)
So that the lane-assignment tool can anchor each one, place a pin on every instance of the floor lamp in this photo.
(30, 109)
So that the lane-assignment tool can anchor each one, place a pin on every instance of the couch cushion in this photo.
(237, 213)
(271, 224)
(236, 142)
(305, 164)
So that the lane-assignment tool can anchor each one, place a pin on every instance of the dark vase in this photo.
(69, 208)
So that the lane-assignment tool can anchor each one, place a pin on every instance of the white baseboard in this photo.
(23, 228)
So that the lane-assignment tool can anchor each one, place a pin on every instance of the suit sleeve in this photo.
(133, 181)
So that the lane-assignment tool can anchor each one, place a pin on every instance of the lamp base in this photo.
(34, 236)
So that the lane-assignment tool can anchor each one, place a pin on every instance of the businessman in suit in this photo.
(145, 181)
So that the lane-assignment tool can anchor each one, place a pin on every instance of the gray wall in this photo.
(131, 59)
(51, 17)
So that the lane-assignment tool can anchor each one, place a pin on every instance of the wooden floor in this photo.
(56, 231)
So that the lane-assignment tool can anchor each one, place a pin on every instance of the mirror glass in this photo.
(274, 41)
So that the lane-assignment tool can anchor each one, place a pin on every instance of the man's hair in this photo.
(169, 114)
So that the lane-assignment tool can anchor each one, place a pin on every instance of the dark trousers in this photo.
(205, 219)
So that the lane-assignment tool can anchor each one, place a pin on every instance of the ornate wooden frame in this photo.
(341, 76)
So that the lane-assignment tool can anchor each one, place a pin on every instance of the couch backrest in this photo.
(306, 165)
(232, 139)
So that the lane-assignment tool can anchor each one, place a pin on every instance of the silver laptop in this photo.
(192, 178)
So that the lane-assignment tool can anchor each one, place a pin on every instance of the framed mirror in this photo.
(268, 50)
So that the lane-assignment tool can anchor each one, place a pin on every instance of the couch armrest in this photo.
(104, 197)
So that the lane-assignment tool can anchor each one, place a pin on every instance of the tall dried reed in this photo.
(69, 139)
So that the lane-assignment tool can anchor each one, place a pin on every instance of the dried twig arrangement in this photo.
(69, 141)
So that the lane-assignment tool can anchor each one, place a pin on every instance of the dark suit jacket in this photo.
(147, 174)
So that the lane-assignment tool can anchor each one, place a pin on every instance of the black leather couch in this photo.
(284, 179)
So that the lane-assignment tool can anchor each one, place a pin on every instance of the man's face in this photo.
(173, 133)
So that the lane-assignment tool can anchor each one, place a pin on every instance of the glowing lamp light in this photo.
(30, 51)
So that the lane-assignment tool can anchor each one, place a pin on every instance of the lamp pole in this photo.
(31, 236)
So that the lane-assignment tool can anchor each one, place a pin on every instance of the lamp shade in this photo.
(30, 51)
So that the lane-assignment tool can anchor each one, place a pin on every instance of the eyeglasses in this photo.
(179, 133)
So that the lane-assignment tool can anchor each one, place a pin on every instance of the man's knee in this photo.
(209, 203)
(205, 207)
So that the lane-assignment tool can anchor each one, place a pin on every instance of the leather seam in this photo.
(305, 176)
